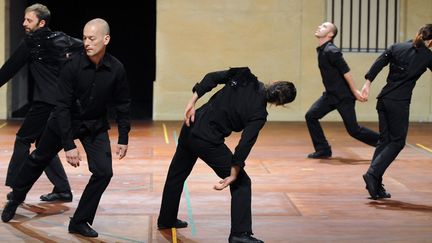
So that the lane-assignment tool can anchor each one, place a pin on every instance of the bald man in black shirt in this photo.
(340, 94)
(88, 83)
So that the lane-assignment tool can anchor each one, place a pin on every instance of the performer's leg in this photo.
(50, 145)
(348, 114)
(31, 129)
(180, 168)
(57, 175)
(393, 122)
(318, 110)
(99, 160)
(31, 170)
(219, 158)
(396, 116)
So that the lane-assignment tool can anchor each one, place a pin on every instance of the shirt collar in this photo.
(321, 47)
(105, 63)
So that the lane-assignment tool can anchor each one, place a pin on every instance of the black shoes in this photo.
(321, 154)
(178, 224)
(57, 196)
(372, 185)
(9, 210)
(83, 229)
(245, 237)
(382, 193)
(375, 187)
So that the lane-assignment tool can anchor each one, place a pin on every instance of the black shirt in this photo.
(407, 64)
(332, 66)
(239, 106)
(38, 49)
(84, 93)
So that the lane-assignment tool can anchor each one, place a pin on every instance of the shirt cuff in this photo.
(68, 145)
(123, 140)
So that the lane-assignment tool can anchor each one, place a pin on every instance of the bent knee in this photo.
(107, 175)
(399, 144)
(310, 116)
(354, 132)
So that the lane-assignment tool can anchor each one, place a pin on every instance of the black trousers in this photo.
(393, 125)
(29, 132)
(345, 107)
(98, 150)
(219, 158)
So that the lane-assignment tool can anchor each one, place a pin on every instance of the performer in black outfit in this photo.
(408, 61)
(239, 106)
(87, 84)
(340, 94)
(44, 51)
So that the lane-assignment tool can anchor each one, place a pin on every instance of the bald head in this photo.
(99, 24)
(334, 29)
(96, 37)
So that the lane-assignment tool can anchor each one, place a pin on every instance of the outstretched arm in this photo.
(14, 63)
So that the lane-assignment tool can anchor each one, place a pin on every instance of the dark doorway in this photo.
(133, 39)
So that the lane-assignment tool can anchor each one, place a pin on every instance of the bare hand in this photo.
(365, 90)
(224, 183)
(189, 114)
(359, 96)
(121, 150)
(73, 157)
(235, 169)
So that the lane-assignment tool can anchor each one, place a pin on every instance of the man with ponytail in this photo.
(408, 61)
(239, 106)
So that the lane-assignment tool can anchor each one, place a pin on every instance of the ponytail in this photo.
(424, 34)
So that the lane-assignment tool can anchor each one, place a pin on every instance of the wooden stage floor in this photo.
(295, 199)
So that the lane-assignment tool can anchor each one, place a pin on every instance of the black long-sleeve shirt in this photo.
(332, 66)
(407, 64)
(40, 50)
(239, 106)
(84, 93)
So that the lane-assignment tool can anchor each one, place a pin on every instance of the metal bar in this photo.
(395, 21)
(360, 19)
(368, 26)
(333, 11)
(350, 30)
(386, 25)
(377, 26)
(341, 25)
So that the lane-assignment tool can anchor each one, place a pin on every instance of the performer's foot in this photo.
(82, 229)
(178, 224)
(382, 193)
(57, 196)
(9, 210)
(321, 154)
(245, 237)
(372, 185)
